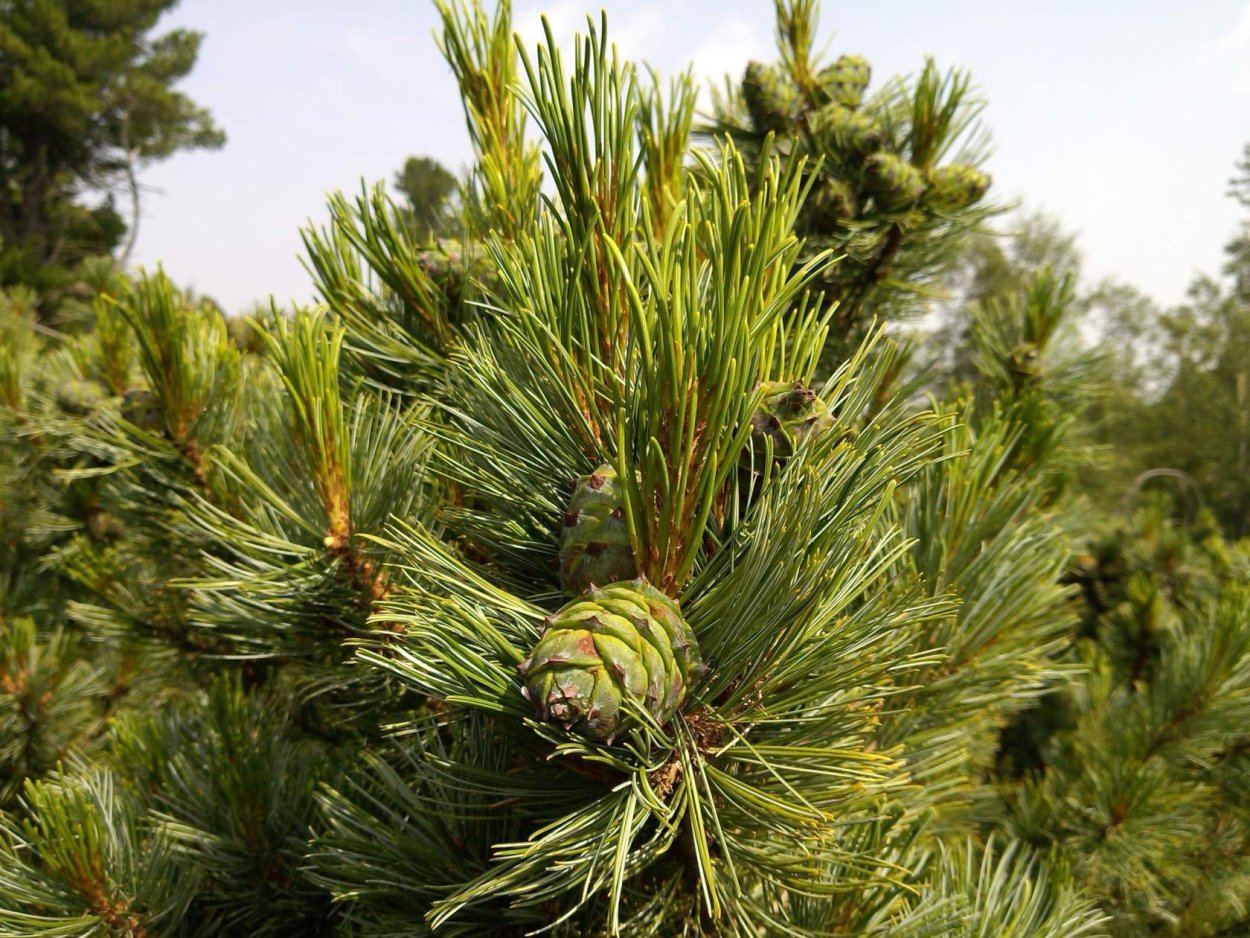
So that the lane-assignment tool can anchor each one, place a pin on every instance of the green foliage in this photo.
(288, 647)
(503, 189)
(85, 862)
(401, 318)
(234, 798)
(49, 703)
(995, 266)
(319, 467)
(979, 883)
(1133, 775)
(803, 593)
(882, 190)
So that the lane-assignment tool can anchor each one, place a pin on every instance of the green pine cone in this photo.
(1026, 361)
(894, 182)
(80, 396)
(140, 407)
(853, 132)
(772, 102)
(956, 186)
(626, 641)
(451, 264)
(846, 80)
(789, 414)
(245, 336)
(594, 547)
(831, 202)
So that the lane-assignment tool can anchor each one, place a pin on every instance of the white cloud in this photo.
(564, 16)
(644, 32)
(638, 31)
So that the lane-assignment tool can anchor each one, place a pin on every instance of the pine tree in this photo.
(1136, 773)
(557, 586)
(895, 177)
(429, 190)
(87, 102)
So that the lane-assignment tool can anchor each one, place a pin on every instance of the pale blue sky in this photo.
(1121, 117)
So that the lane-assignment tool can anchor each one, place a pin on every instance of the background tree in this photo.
(87, 100)
(1135, 776)
(1180, 384)
(430, 193)
(997, 265)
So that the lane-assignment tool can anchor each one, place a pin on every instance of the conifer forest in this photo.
(717, 517)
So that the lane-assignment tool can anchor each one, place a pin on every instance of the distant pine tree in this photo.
(87, 101)
(430, 192)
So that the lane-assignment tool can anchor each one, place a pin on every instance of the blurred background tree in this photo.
(430, 193)
(87, 100)
(1178, 394)
(1174, 388)
(997, 264)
